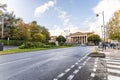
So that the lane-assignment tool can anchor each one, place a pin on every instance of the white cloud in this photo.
(3, 1)
(56, 31)
(109, 7)
(63, 16)
(43, 8)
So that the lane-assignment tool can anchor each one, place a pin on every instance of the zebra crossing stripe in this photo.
(70, 77)
(114, 66)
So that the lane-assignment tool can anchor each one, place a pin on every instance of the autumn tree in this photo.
(113, 25)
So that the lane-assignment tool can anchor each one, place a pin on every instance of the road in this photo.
(40, 65)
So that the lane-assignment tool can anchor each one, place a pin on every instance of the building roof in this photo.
(79, 33)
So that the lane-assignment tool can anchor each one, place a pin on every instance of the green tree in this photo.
(45, 32)
(38, 37)
(94, 38)
(113, 26)
(61, 39)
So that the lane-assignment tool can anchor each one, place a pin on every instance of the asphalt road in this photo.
(40, 65)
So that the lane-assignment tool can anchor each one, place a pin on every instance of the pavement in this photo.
(113, 63)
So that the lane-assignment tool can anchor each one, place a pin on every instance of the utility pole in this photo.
(104, 28)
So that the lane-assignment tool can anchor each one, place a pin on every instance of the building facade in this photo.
(78, 38)
(53, 39)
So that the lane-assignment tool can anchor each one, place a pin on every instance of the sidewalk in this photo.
(113, 63)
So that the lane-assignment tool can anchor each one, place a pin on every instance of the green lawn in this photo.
(17, 50)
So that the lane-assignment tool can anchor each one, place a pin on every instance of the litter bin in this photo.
(1, 46)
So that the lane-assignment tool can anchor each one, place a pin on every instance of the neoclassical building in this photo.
(78, 38)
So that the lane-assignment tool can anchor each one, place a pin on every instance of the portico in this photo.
(78, 38)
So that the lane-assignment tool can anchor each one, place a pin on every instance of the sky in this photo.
(62, 17)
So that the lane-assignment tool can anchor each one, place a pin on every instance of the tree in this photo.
(21, 32)
(61, 39)
(2, 7)
(38, 37)
(94, 38)
(45, 32)
(113, 26)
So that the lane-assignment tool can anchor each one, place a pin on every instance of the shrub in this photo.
(12, 42)
(47, 46)
(22, 46)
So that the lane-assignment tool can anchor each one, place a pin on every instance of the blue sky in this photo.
(61, 15)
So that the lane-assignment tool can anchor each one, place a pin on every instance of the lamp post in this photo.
(103, 23)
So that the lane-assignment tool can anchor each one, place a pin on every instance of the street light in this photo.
(103, 22)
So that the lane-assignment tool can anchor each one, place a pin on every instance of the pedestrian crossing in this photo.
(113, 68)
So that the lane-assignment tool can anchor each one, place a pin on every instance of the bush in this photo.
(47, 46)
(22, 46)
(33, 45)
(52, 43)
(12, 42)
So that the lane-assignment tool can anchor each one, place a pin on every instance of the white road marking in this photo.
(114, 66)
(70, 77)
(60, 75)
(94, 69)
(76, 63)
(88, 58)
(76, 71)
(114, 63)
(67, 70)
(92, 75)
(79, 67)
(113, 60)
(95, 66)
(85, 61)
(72, 66)
(111, 77)
(114, 71)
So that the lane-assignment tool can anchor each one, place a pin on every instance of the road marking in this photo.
(113, 60)
(115, 63)
(111, 77)
(114, 66)
(94, 69)
(70, 77)
(67, 70)
(76, 71)
(114, 71)
(85, 61)
(92, 75)
(79, 67)
(72, 66)
(95, 66)
(60, 75)
(76, 63)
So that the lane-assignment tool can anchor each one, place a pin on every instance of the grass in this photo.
(17, 50)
